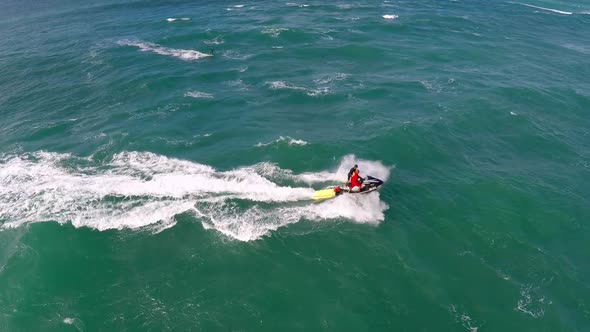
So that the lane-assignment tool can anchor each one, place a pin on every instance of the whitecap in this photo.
(287, 139)
(390, 17)
(155, 48)
(237, 84)
(293, 4)
(274, 31)
(331, 78)
(318, 91)
(280, 85)
(172, 19)
(198, 94)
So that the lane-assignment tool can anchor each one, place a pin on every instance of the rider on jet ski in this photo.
(355, 184)
(351, 171)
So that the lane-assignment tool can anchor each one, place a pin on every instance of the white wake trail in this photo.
(139, 189)
(543, 8)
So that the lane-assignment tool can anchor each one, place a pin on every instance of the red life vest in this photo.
(354, 180)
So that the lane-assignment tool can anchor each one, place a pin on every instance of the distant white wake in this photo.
(142, 189)
(543, 8)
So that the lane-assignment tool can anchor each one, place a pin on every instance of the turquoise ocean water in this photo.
(157, 159)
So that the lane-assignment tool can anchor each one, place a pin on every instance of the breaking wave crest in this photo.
(141, 189)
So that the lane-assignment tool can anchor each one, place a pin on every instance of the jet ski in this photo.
(368, 185)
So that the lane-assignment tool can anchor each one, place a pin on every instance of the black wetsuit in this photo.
(350, 173)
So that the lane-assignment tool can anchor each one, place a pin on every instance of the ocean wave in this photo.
(158, 49)
(439, 85)
(331, 78)
(145, 190)
(236, 7)
(280, 85)
(274, 31)
(321, 91)
(287, 139)
(239, 84)
(300, 5)
(390, 17)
